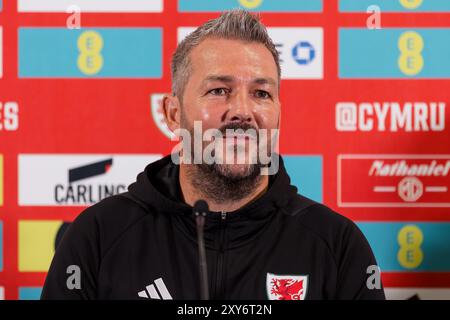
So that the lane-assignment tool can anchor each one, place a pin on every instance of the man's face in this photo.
(232, 85)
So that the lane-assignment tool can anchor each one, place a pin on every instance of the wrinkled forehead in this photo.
(233, 61)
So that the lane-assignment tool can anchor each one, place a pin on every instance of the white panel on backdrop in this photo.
(183, 32)
(301, 50)
(70, 179)
(417, 293)
(2, 293)
(91, 5)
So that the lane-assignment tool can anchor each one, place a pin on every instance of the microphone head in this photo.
(200, 206)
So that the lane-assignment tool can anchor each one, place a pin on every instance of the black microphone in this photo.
(200, 210)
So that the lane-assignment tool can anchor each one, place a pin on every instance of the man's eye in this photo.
(262, 94)
(218, 92)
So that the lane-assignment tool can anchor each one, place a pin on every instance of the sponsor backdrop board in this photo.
(364, 129)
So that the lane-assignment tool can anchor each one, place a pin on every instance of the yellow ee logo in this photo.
(90, 45)
(411, 45)
(250, 4)
(410, 238)
(411, 4)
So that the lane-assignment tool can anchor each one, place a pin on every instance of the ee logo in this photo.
(410, 238)
(411, 45)
(250, 4)
(411, 4)
(90, 45)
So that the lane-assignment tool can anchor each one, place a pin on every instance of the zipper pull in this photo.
(223, 215)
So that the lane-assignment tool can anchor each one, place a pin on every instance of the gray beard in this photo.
(220, 185)
(216, 182)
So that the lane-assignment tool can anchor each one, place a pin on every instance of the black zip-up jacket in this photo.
(143, 245)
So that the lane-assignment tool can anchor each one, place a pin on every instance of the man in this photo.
(262, 240)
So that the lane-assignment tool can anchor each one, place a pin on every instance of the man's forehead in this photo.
(232, 61)
(229, 78)
(237, 52)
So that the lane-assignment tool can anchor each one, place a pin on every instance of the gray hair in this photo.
(236, 24)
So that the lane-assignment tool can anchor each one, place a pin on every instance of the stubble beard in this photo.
(222, 182)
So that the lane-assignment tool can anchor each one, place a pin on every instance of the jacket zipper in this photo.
(219, 273)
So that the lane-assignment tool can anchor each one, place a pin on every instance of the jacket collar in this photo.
(158, 187)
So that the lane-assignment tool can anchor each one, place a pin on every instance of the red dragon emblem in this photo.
(286, 287)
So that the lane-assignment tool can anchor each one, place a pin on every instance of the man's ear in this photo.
(172, 112)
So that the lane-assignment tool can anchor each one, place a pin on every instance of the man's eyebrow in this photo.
(229, 79)
(220, 78)
(269, 81)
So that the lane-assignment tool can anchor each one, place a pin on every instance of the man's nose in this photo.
(240, 109)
